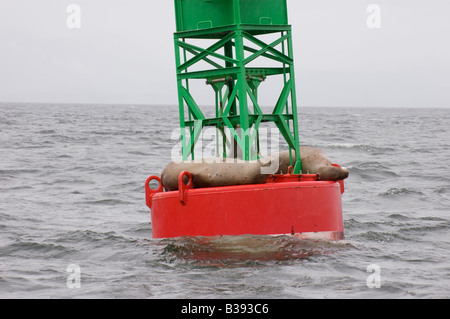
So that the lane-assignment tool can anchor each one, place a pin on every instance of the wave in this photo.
(379, 236)
(371, 173)
(358, 146)
(106, 202)
(46, 132)
(400, 192)
(12, 172)
(90, 236)
(33, 249)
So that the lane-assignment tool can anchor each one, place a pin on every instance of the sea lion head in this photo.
(332, 173)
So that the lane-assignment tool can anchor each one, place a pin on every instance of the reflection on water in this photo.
(239, 251)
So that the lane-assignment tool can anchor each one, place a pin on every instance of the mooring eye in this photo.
(153, 184)
(186, 180)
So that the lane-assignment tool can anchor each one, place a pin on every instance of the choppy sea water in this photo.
(72, 195)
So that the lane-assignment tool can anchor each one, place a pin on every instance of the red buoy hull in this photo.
(304, 208)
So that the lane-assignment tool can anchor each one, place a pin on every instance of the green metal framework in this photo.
(226, 66)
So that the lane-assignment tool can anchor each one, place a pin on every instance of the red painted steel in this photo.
(298, 205)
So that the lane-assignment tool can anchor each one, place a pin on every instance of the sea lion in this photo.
(313, 161)
(229, 172)
(214, 174)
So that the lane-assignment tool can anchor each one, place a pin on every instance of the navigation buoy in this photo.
(222, 42)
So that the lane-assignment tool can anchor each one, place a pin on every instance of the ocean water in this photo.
(73, 220)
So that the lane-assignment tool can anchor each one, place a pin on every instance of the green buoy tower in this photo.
(223, 43)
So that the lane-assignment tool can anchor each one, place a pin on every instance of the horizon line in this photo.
(263, 106)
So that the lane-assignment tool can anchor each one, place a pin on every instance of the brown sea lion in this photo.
(313, 161)
(220, 172)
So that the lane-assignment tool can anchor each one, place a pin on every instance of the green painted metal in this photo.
(205, 14)
(226, 65)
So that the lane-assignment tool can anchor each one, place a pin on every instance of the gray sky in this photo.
(123, 52)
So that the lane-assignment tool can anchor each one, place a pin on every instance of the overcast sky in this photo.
(123, 52)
